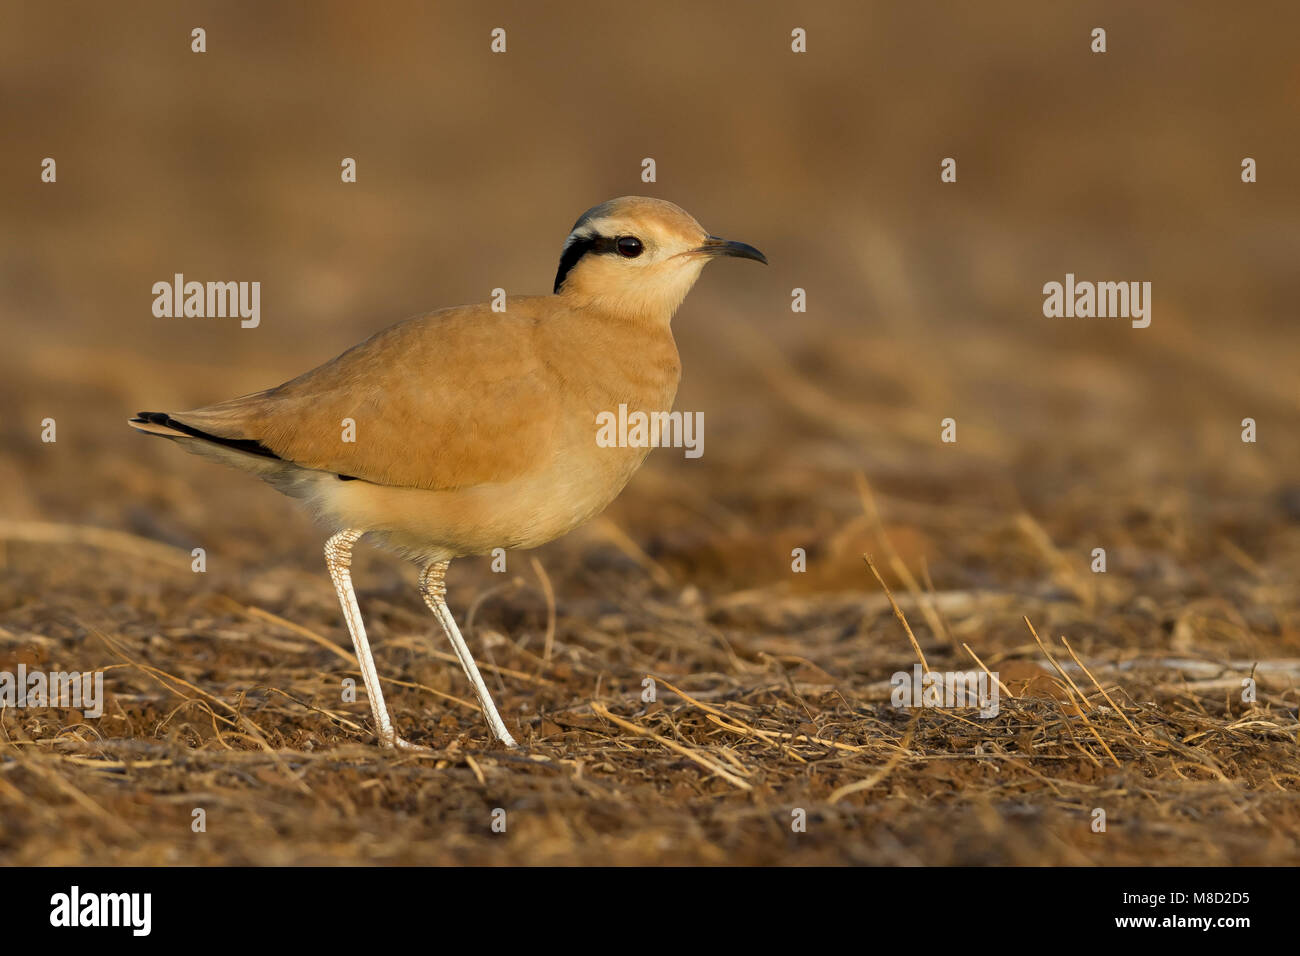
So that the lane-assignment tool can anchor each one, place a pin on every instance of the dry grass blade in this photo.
(339, 652)
(924, 599)
(850, 788)
(739, 725)
(548, 645)
(1114, 706)
(162, 677)
(1059, 669)
(603, 711)
(898, 613)
(1001, 686)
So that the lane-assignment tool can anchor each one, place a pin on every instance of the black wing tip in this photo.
(249, 445)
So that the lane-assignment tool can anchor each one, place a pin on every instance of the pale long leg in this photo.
(433, 587)
(338, 558)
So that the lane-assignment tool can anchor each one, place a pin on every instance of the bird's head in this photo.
(639, 256)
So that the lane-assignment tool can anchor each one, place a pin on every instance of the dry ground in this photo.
(225, 688)
(822, 433)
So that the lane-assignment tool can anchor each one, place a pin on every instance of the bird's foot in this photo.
(401, 743)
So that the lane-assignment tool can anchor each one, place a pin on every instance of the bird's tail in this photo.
(163, 424)
(246, 454)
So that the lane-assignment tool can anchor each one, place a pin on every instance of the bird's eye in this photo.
(629, 246)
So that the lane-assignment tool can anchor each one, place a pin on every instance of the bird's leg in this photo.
(338, 558)
(433, 587)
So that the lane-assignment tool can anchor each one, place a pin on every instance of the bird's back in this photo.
(457, 398)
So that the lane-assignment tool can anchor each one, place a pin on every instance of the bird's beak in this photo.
(714, 247)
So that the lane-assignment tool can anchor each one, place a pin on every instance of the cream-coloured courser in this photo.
(475, 429)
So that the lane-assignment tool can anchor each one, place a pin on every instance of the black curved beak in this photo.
(714, 247)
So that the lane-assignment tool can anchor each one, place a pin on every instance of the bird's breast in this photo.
(616, 413)
(608, 392)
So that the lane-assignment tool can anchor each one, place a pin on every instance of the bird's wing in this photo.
(448, 400)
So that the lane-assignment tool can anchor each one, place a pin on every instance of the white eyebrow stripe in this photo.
(576, 236)
(593, 228)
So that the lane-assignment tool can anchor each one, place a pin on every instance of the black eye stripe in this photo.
(579, 247)
(574, 251)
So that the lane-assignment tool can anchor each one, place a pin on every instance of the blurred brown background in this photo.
(924, 299)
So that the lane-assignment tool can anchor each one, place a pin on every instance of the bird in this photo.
(470, 428)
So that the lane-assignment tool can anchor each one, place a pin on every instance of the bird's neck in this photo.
(651, 295)
(624, 357)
